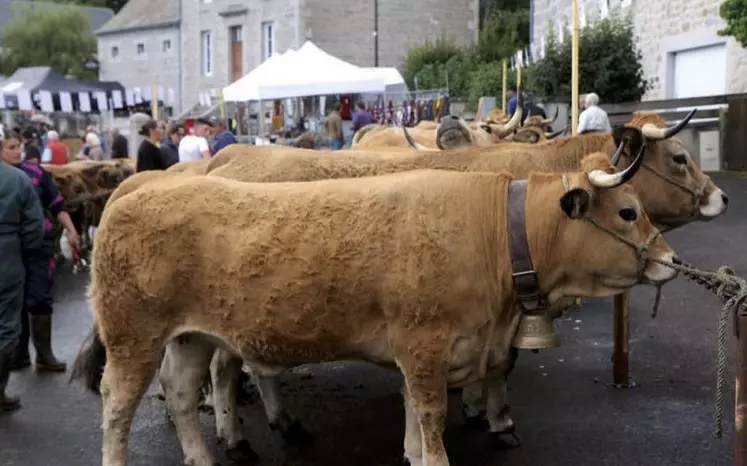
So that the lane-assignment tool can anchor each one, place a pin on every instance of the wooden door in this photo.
(236, 67)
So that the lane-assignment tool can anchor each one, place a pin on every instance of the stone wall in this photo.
(132, 70)
(344, 28)
(662, 27)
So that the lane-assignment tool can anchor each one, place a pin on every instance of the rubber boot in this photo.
(7, 403)
(20, 358)
(41, 334)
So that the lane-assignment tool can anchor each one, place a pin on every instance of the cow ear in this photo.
(486, 127)
(632, 137)
(576, 202)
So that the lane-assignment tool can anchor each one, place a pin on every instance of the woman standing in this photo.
(21, 233)
(149, 155)
(36, 320)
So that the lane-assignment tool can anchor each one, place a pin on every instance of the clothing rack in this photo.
(421, 105)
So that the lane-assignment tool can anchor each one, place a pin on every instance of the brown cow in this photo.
(405, 278)
(193, 167)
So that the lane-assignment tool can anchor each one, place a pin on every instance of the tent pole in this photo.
(376, 33)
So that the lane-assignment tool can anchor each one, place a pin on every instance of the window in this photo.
(166, 46)
(115, 52)
(268, 39)
(236, 33)
(140, 49)
(207, 53)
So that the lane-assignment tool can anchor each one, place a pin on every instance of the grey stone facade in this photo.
(343, 28)
(662, 27)
(140, 70)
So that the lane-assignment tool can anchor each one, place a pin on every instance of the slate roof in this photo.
(97, 17)
(140, 14)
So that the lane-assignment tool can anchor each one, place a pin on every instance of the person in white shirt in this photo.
(195, 146)
(593, 118)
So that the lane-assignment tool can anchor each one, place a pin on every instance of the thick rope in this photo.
(733, 291)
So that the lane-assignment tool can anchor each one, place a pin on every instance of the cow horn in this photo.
(556, 133)
(548, 121)
(524, 117)
(602, 179)
(652, 131)
(414, 144)
(513, 123)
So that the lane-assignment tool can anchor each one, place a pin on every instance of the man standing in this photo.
(512, 101)
(593, 118)
(333, 125)
(223, 137)
(170, 145)
(361, 116)
(120, 149)
(195, 146)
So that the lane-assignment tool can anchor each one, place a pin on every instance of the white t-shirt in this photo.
(191, 148)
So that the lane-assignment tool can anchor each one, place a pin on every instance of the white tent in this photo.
(312, 71)
(247, 88)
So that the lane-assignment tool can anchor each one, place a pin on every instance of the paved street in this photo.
(565, 411)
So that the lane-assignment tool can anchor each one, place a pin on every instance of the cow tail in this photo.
(90, 362)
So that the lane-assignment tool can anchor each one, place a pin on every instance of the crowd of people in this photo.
(165, 144)
(29, 206)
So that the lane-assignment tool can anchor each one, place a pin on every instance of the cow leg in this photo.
(498, 411)
(474, 406)
(425, 373)
(279, 419)
(225, 369)
(184, 367)
(413, 437)
(123, 385)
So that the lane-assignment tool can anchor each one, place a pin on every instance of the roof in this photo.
(140, 14)
(97, 17)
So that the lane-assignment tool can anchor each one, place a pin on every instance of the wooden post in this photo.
(221, 104)
(505, 84)
(740, 391)
(620, 363)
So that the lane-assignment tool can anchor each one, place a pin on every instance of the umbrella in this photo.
(42, 119)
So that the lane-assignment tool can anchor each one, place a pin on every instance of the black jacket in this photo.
(170, 152)
(150, 157)
(120, 147)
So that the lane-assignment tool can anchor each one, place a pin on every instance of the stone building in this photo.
(212, 43)
(683, 56)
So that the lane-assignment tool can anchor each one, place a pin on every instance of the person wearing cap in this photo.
(223, 136)
(195, 146)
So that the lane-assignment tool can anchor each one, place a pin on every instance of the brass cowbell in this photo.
(535, 332)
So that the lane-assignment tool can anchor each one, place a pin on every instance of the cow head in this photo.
(601, 241)
(455, 132)
(673, 188)
(71, 185)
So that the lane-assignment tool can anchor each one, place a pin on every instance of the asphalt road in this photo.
(566, 412)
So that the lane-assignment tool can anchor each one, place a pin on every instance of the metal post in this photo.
(376, 32)
(504, 84)
(620, 363)
(740, 392)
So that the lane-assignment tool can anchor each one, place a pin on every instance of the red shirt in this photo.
(59, 152)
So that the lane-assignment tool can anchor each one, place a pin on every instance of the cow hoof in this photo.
(242, 453)
(295, 434)
(505, 440)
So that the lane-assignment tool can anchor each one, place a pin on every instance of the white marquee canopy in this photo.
(309, 71)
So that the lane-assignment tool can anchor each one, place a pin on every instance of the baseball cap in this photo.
(204, 121)
(216, 121)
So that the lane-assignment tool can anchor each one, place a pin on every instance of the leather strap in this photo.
(524, 275)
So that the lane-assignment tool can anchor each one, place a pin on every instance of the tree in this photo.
(47, 35)
(610, 63)
(734, 13)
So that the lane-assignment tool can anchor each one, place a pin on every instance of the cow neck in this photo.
(526, 281)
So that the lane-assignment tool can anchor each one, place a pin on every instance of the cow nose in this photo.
(725, 199)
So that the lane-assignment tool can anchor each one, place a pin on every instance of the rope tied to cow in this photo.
(732, 290)
(83, 199)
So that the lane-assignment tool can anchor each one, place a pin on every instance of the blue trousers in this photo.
(336, 144)
(40, 267)
(11, 303)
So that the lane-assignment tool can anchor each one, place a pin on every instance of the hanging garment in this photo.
(345, 107)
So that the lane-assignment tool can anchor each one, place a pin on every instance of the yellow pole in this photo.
(154, 100)
(221, 104)
(505, 84)
(518, 76)
(574, 70)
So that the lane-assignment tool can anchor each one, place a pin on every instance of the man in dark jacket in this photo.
(170, 145)
(120, 147)
(21, 233)
(223, 137)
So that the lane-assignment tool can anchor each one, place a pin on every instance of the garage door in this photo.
(700, 72)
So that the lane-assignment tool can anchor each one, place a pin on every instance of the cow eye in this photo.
(628, 214)
(680, 159)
